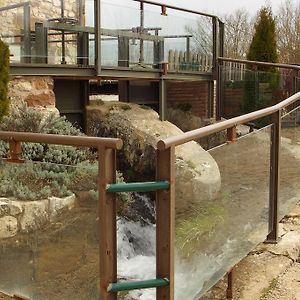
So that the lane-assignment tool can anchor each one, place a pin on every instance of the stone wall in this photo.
(36, 91)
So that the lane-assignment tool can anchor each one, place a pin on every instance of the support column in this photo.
(165, 223)
(107, 223)
(162, 99)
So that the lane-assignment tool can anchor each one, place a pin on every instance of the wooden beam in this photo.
(165, 223)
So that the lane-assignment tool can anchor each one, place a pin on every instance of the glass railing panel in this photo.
(219, 225)
(136, 239)
(12, 28)
(42, 32)
(49, 228)
(120, 22)
(244, 90)
(184, 40)
(289, 162)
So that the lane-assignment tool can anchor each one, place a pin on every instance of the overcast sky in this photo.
(221, 7)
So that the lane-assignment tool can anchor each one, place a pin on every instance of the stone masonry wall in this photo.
(36, 91)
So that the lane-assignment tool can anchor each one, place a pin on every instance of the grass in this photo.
(266, 291)
(192, 232)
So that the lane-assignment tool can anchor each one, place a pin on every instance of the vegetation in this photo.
(4, 76)
(26, 119)
(259, 84)
(266, 291)
(192, 232)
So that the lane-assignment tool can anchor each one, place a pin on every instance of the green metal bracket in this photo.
(137, 186)
(136, 285)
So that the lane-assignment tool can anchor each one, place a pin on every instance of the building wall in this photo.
(190, 93)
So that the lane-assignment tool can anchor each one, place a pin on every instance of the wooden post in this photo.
(231, 135)
(107, 222)
(274, 178)
(165, 223)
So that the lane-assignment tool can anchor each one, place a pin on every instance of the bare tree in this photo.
(288, 32)
(238, 33)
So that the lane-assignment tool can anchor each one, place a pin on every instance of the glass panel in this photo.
(136, 244)
(136, 38)
(183, 39)
(119, 25)
(245, 90)
(215, 231)
(49, 230)
(289, 162)
(63, 40)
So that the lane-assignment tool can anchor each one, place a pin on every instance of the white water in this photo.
(136, 259)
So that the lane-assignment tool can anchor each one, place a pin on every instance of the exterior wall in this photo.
(36, 91)
(194, 93)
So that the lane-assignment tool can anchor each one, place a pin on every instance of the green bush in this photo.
(4, 76)
(27, 119)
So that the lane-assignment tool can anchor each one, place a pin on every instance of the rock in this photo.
(289, 245)
(4, 209)
(41, 99)
(197, 174)
(15, 208)
(35, 214)
(58, 204)
(8, 227)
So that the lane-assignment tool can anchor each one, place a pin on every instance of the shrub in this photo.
(26, 119)
(4, 75)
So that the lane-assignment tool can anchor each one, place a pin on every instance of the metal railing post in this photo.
(107, 222)
(27, 35)
(97, 22)
(165, 223)
(274, 177)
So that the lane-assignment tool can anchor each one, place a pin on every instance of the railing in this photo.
(107, 216)
(131, 34)
(245, 86)
(230, 168)
(221, 219)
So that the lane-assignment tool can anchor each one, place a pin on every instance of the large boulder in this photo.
(197, 174)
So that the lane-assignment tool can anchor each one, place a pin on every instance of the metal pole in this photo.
(162, 99)
(97, 25)
(107, 222)
(215, 47)
(27, 35)
(63, 46)
(274, 178)
(165, 223)
(142, 58)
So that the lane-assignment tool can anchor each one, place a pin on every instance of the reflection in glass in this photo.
(50, 250)
(212, 239)
(289, 162)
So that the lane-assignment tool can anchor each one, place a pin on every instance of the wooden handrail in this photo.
(85, 141)
(205, 131)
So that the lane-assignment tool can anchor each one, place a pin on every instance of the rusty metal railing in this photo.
(166, 147)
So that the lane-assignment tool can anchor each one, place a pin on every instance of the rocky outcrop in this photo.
(25, 216)
(197, 174)
(36, 91)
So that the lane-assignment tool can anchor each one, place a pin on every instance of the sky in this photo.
(220, 7)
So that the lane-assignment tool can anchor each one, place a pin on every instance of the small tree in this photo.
(264, 45)
(259, 85)
(4, 75)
